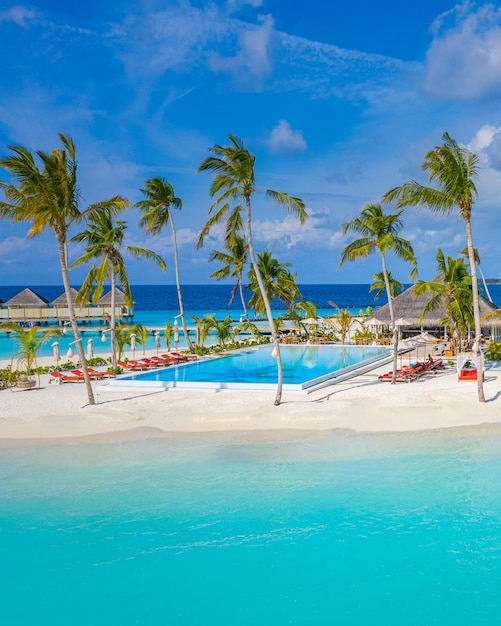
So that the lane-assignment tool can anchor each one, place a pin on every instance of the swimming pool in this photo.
(304, 367)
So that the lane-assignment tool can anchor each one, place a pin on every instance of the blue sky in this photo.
(338, 101)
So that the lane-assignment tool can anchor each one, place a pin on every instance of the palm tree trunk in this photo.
(267, 306)
(113, 321)
(484, 283)
(63, 257)
(392, 318)
(242, 298)
(476, 313)
(178, 285)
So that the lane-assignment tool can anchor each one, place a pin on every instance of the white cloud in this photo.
(12, 246)
(253, 53)
(464, 59)
(17, 14)
(289, 232)
(284, 139)
(235, 5)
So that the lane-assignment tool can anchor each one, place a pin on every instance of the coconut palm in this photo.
(379, 234)
(452, 289)
(464, 252)
(48, 198)
(156, 213)
(379, 283)
(29, 343)
(224, 331)
(104, 239)
(277, 280)
(233, 183)
(453, 168)
(233, 265)
(204, 324)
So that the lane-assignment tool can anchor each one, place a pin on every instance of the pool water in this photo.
(303, 366)
(269, 529)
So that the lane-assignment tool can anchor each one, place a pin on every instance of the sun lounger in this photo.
(405, 374)
(98, 374)
(93, 375)
(150, 362)
(59, 377)
(132, 366)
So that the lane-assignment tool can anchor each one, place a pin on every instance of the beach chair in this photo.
(150, 363)
(94, 375)
(132, 366)
(98, 374)
(59, 377)
(161, 362)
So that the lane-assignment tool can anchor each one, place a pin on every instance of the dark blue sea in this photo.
(215, 297)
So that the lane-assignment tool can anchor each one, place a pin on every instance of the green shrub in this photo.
(494, 352)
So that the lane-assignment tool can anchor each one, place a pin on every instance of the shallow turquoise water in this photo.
(332, 528)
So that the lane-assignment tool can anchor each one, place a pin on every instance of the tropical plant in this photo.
(453, 168)
(342, 322)
(168, 334)
(204, 324)
(233, 265)
(156, 212)
(379, 233)
(452, 289)
(494, 352)
(224, 331)
(29, 343)
(379, 283)
(464, 252)
(104, 239)
(234, 182)
(48, 198)
(276, 280)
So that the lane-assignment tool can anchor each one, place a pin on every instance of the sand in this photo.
(361, 404)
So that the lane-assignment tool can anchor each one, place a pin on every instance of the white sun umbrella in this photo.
(133, 344)
(55, 351)
(90, 348)
(157, 341)
(69, 354)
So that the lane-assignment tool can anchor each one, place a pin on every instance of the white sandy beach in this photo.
(362, 404)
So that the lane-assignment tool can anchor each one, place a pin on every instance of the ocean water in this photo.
(270, 529)
(156, 304)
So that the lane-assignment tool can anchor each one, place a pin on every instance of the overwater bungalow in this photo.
(30, 308)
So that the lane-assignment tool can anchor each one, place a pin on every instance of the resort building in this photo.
(32, 309)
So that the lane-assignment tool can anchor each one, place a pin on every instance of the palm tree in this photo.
(204, 324)
(234, 182)
(104, 239)
(464, 252)
(379, 283)
(379, 233)
(278, 282)
(453, 168)
(452, 289)
(29, 344)
(234, 261)
(224, 330)
(48, 198)
(156, 212)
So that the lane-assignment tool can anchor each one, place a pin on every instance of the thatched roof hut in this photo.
(61, 300)
(25, 299)
(119, 298)
(409, 307)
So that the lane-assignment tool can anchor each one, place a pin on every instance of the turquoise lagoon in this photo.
(265, 528)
